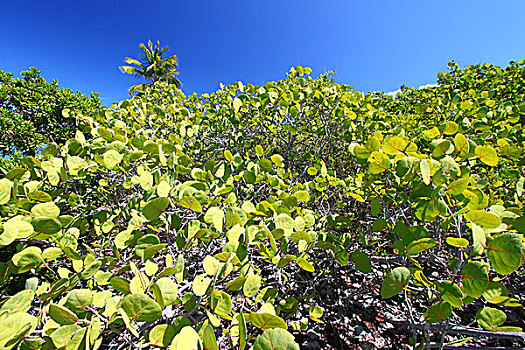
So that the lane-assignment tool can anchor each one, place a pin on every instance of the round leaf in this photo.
(362, 261)
(251, 285)
(111, 159)
(438, 312)
(155, 207)
(140, 307)
(475, 278)
(275, 339)
(265, 321)
(505, 253)
(490, 318)
(187, 339)
(395, 282)
(62, 315)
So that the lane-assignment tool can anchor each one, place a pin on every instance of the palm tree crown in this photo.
(153, 66)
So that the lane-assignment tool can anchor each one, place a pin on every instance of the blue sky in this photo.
(372, 45)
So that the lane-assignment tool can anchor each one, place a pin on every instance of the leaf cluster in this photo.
(195, 221)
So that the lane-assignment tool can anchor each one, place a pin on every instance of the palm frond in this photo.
(154, 64)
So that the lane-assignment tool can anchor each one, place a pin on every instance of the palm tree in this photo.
(153, 66)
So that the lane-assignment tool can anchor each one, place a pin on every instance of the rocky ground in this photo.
(356, 317)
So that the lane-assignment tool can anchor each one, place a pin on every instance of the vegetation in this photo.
(210, 221)
(153, 66)
(31, 112)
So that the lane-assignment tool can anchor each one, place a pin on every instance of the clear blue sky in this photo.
(372, 45)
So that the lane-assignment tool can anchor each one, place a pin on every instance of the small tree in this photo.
(153, 66)
(31, 112)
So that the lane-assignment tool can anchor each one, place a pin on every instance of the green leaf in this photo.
(17, 228)
(90, 270)
(27, 259)
(220, 303)
(68, 337)
(457, 242)
(236, 284)
(305, 264)
(506, 253)
(490, 318)
(78, 300)
(483, 218)
(162, 335)
(301, 236)
(6, 187)
(139, 284)
(395, 282)
(62, 315)
(378, 162)
(208, 338)
(14, 327)
(237, 103)
(479, 239)
(285, 222)
(420, 245)
(451, 293)
(200, 284)
(151, 268)
(508, 329)
(187, 339)
(211, 265)
(438, 312)
(277, 160)
(228, 155)
(265, 321)
(362, 261)
(450, 128)
(379, 224)
(215, 216)
(48, 209)
(462, 145)
(46, 225)
(442, 148)
(341, 255)
(457, 187)
(20, 302)
(168, 289)
(111, 159)
(494, 290)
(475, 278)
(163, 189)
(127, 322)
(155, 207)
(487, 154)
(315, 312)
(242, 331)
(431, 134)
(506, 301)
(425, 171)
(251, 285)
(140, 307)
(302, 196)
(120, 284)
(146, 181)
(191, 203)
(394, 145)
(273, 339)
(249, 176)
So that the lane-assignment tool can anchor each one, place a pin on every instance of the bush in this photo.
(208, 220)
(31, 112)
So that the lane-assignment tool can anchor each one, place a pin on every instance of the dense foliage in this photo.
(203, 221)
(31, 112)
